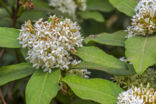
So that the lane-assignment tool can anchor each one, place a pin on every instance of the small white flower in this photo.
(124, 60)
(69, 6)
(50, 43)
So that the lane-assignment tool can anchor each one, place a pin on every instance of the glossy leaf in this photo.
(14, 72)
(95, 58)
(125, 6)
(42, 87)
(98, 90)
(141, 52)
(114, 39)
(8, 37)
(101, 5)
(92, 15)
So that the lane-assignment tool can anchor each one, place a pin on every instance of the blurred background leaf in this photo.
(101, 5)
(97, 16)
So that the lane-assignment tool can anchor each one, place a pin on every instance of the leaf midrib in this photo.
(142, 55)
(42, 88)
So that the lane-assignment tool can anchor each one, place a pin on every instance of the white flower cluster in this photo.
(144, 22)
(69, 6)
(80, 72)
(138, 96)
(50, 43)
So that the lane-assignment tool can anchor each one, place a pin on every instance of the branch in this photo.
(1, 53)
(2, 97)
(15, 14)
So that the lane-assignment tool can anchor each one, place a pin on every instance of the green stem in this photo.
(2, 97)
(5, 7)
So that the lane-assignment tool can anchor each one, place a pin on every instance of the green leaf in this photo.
(42, 87)
(32, 15)
(14, 72)
(41, 4)
(92, 15)
(95, 58)
(8, 37)
(114, 39)
(125, 6)
(98, 90)
(141, 52)
(3, 13)
(12, 2)
(101, 5)
(5, 20)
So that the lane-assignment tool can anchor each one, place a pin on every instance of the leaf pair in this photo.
(140, 51)
(42, 87)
